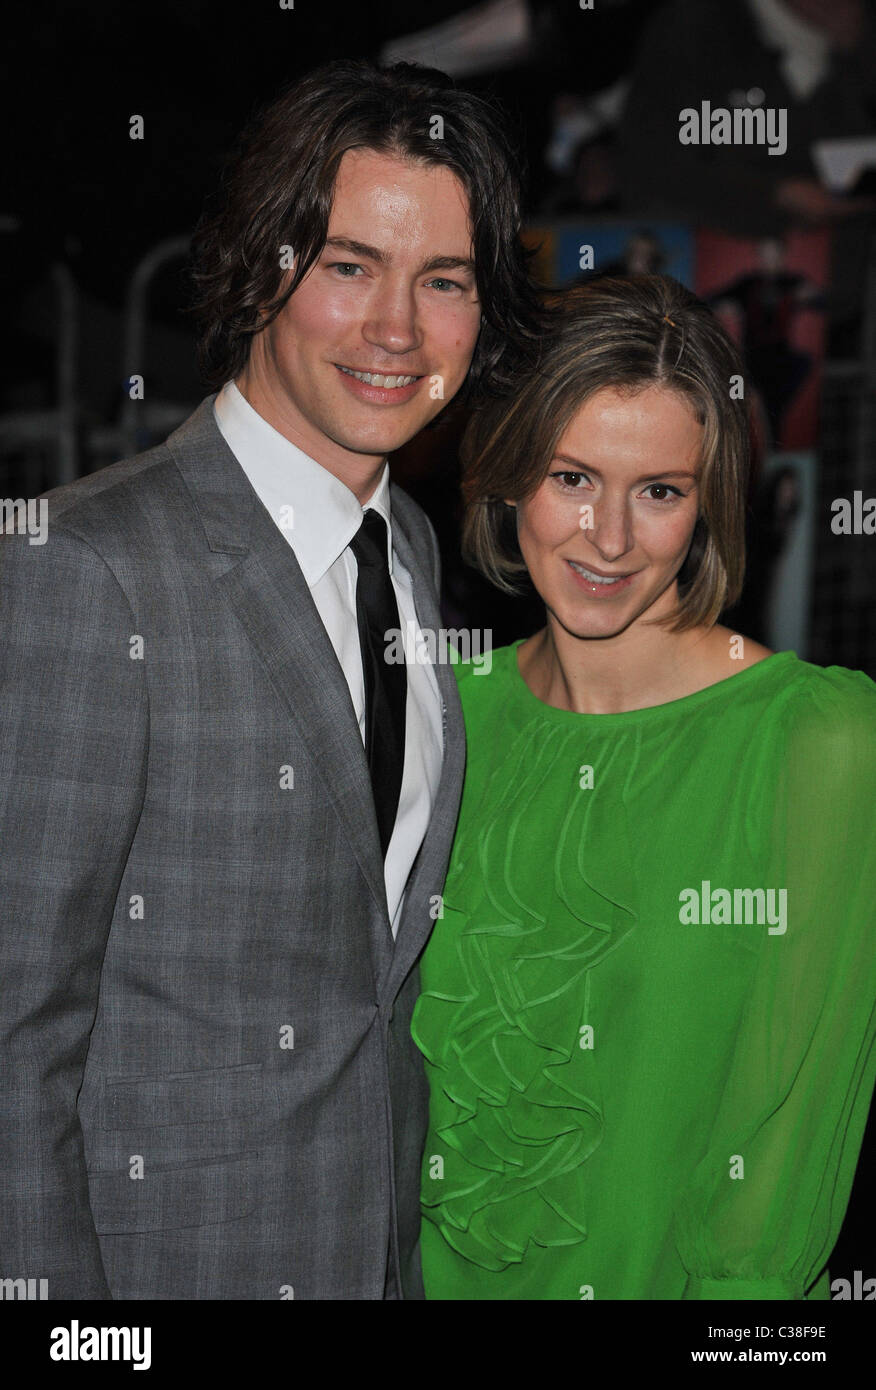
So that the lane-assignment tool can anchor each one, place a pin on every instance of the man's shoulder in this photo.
(107, 487)
(117, 500)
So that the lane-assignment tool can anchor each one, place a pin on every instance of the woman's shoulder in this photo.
(823, 695)
(833, 688)
(831, 710)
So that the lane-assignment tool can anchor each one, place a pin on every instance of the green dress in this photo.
(647, 1082)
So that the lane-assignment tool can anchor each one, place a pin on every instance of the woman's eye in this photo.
(570, 480)
(666, 488)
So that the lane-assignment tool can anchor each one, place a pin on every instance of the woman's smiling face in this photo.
(607, 531)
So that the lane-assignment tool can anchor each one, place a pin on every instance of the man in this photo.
(225, 818)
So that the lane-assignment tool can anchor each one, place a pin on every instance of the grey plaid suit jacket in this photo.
(208, 1086)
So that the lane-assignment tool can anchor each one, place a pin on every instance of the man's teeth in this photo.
(595, 578)
(375, 379)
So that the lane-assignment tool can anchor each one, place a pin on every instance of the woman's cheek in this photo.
(667, 535)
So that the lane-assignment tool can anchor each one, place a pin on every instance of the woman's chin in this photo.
(589, 625)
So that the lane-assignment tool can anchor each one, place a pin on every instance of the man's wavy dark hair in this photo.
(278, 186)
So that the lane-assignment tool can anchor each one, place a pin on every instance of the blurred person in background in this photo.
(764, 304)
(816, 60)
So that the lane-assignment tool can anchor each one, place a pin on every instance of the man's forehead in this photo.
(365, 163)
(392, 185)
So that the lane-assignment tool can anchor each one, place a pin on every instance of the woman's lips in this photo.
(596, 585)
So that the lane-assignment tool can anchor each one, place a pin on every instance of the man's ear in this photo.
(508, 502)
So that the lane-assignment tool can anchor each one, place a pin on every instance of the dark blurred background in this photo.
(94, 230)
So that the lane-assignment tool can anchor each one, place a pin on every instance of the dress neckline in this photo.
(684, 704)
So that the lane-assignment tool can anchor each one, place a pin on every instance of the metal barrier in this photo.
(46, 441)
(139, 418)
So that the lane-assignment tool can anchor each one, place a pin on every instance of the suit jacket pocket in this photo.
(184, 1097)
(176, 1198)
(180, 1149)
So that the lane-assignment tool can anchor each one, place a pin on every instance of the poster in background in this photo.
(770, 295)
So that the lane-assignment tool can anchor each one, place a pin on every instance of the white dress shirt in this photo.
(319, 516)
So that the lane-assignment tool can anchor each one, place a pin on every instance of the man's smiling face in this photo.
(393, 294)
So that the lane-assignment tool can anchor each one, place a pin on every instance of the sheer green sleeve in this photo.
(764, 1207)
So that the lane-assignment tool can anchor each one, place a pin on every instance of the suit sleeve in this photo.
(72, 780)
(764, 1208)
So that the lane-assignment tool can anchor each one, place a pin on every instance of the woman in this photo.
(647, 1008)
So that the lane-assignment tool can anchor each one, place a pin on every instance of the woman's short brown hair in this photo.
(625, 332)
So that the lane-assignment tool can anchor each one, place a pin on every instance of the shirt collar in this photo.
(317, 513)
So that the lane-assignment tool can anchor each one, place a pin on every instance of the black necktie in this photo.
(386, 683)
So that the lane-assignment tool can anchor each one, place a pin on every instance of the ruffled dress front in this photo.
(649, 1066)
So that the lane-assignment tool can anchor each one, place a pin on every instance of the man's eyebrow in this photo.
(373, 253)
(358, 248)
(450, 263)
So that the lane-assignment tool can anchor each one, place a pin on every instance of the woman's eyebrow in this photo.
(589, 468)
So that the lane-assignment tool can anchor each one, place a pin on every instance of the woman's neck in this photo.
(637, 669)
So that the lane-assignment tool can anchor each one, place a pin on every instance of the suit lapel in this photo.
(425, 878)
(271, 599)
(264, 586)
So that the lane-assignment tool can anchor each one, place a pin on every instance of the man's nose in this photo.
(392, 321)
